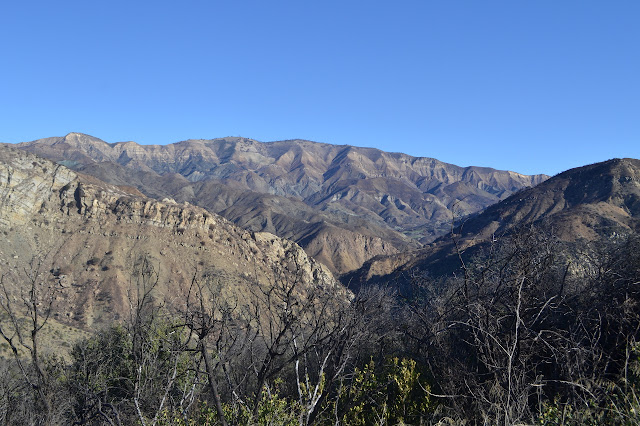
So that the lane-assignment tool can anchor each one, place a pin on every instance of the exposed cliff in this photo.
(93, 236)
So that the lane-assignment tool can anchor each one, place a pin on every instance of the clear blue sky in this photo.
(532, 86)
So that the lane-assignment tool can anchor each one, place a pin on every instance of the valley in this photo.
(236, 282)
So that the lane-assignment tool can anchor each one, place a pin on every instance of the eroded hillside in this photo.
(342, 204)
(597, 202)
(88, 239)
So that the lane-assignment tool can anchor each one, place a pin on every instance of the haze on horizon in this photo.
(530, 87)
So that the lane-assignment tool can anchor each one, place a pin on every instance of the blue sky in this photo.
(531, 86)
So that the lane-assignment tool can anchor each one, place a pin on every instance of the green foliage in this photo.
(393, 394)
(273, 409)
(101, 370)
(558, 413)
(204, 415)
(104, 360)
(108, 370)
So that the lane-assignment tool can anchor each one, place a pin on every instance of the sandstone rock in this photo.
(91, 235)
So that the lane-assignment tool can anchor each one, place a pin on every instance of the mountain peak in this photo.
(78, 134)
(82, 137)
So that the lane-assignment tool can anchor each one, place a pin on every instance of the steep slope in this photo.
(287, 217)
(595, 202)
(393, 196)
(587, 202)
(90, 237)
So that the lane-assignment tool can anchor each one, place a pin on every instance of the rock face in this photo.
(595, 202)
(92, 236)
(25, 186)
(343, 204)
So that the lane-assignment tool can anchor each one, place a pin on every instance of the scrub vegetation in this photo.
(532, 330)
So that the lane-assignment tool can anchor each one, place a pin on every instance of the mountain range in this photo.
(113, 270)
(93, 208)
(342, 204)
(597, 202)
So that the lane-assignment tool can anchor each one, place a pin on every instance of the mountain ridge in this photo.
(388, 202)
(90, 234)
(595, 202)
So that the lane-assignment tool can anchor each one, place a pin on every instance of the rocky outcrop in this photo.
(27, 183)
(92, 235)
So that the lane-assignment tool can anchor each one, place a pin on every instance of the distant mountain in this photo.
(87, 237)
(342, 204)
(591, 203)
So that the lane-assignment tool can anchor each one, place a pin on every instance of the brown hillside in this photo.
(91, 235)
(311, 192)
(595, 202)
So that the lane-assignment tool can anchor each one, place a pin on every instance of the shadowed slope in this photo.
(598, 201)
